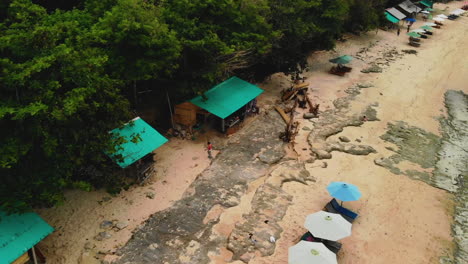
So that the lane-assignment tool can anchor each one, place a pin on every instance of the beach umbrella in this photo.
(425, 12)
(344, 191)
(413, 34)
(306, 252)
(409, 19)
(430, 24)
(418, 30)
(342, 59)
(327, 225)
(427, 28)
(429, 9)
(439, 19)
(442, 16)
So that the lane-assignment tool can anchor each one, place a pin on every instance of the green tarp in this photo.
(227, 97)
(391, 18)
(19, 233)
(426, 3)
(139, 140)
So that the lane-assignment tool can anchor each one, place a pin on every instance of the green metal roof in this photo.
(140, 139)
(227, 97)
(19, 233)
(391, 18)
(426, 3)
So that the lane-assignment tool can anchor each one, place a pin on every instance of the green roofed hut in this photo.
(426, 3)
(138, 139)
(231, 101)
(19, 233)
(391, 18)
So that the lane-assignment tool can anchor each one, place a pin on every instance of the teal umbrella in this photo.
(413, 34)
(429, 9)
(345, 59)
(427, 28)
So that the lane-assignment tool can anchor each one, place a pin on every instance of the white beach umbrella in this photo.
(418, 30)
(439, 19)
(327, 225)
(442, 16)
(306, 252)
(430, 24)
(425, 12)
(458, 12)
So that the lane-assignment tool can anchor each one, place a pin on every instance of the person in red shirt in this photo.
(209, 148)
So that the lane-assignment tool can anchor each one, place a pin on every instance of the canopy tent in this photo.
(409, 7)
(227, 97)
(391, 18)
(427, 3)
(394, 12)
(19, 233)
(139, 140)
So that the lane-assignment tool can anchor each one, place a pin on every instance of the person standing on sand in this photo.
(398, 32)
(209, 148)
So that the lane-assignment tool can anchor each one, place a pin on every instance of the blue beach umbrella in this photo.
(344, 191)
(410, 19)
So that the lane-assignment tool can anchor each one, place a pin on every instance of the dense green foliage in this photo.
(67, 69)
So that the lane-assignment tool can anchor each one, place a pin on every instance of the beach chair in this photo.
(414, 39)
(438, 23)
(331, 245)
(334, 207)
(424, 36)
(414, 44)
(336, 71)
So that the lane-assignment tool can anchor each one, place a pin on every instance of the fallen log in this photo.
(283, 114)
(301, 85)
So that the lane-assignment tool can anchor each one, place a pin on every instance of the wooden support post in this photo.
(34, 255)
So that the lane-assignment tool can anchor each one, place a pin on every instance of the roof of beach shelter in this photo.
(409, 7)
(427, 3)
(227, 97)
(396, 13)
(391, 18)
(139, 140)
(19, 233)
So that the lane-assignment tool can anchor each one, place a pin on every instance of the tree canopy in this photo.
(67, 70)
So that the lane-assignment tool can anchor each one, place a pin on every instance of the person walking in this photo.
(209, 148)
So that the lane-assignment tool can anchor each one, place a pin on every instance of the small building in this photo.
(408, 8)
(134, 140)
(395, 13)
(231, 101)
(187, 114)
(19, 234)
